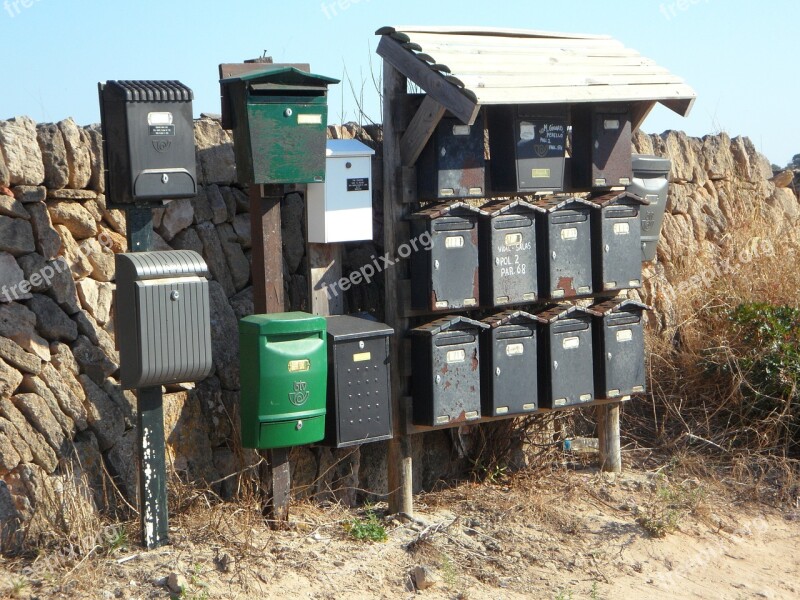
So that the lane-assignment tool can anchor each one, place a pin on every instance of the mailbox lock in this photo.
(288, 112)
(165, 179)
(361, 345)
(299, 425)
(349, 165)
(175, 296)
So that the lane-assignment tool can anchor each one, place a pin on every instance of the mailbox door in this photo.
(454, 263)
(453, 163)
(611, 159)
(569, 256)
(541, 144)
(512, 371)
(347, 215)
(570, 367)
(620, 243)
(512, 268)
(623, 362)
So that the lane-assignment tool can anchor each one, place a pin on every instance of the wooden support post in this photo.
(265, 224)
(399, 462)
(609, 434)
(153, 510)
(420, 130)
(325, 266)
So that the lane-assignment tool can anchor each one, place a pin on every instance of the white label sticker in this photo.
(456, 356)
(514, 239)
(309, 119)
(515, 350)
(572, 343)
(527, 131)
(454, 241)
(625, 335)
(159, 118)
(461, 129)
(622, 228)
(611, 124)
(571, 233)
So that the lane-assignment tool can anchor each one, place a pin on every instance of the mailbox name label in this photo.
(162, 130)
(358, 185)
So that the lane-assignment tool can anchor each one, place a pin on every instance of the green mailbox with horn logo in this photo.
(284, 372)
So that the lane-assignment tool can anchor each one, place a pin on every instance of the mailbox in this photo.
(566, 346)
(284, 372)
(279, 117)
(453, 163)
(340, 210)
(616, 241)
(359, 382)
(162, 318)
(509, 364)
(601, 142)
(509, 268)
(446, 363)
(565, 248)
(148, 141)
(651, 182)
(446, 276)
(527, 145)
(619, 348)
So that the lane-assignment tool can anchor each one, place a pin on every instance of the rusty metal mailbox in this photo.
(616, 241)
(509, 269)
(567, 373)
(446, 363)
(565, 248)
(619, 348)
(601, 156)
(509, 364)
(446, 276)
(453, 163)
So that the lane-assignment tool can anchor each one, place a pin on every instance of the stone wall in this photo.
(63, 416)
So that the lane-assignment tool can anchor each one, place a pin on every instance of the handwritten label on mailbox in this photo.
(542, 138)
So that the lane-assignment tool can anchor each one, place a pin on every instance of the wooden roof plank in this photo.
(496, 31)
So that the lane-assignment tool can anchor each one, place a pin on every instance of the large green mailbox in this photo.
(278, 116)
(284, 370)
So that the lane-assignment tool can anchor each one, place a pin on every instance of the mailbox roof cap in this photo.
(147, 266)
(651, 163)
(457, 209)
(282, 76)
(612, 198)
(282, 324)
(347, 148)
(553, 204)
(501, 207)
(512, 317)
(603, 309)
(445, 323)
(344, 327)
(563, 311)
(149, 91)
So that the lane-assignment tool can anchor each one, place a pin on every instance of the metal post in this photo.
(153, 513)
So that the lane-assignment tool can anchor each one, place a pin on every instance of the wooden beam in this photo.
(420, 130)
(608, 433)
(681, 106)
(431, 81)
(325, 269)
(639, 112)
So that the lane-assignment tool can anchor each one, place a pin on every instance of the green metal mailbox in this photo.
(278, 116)
(284, 371)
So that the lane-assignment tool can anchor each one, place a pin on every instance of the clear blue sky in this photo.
(738, 55)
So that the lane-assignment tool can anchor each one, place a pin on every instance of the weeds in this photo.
(669, 507)
(368, 529)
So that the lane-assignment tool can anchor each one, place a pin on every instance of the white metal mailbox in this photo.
(340, 210)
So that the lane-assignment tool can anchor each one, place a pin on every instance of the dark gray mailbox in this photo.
(616, 242)
(446, 363)
(565, 248)
(453, 164)
(162, 318)
(148, 140)
(510, 363)
(567, 373)
(619, 348)
(601, 142)
(509, 269)
(651, 182)
(446, 277)
(359, 382)
(527, 145)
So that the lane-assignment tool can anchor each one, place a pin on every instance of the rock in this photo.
(78, 155)
(237, 262)
(11, 207)
(63, 288)
(27, 194)
(122, 463)
(54, 155)
(159, 244)
(242, 303)
(17, 443)
(188, 240)
(101, 258)
(224, 337)
(717, 156)
(43, 455)
(105, 418)
(5, 176)
(117, 220)
(642, 143)
(97, 335)
(782, 180)
(97, 181)
(88, 462)
(219, 208)
(293, 229)
(13, 354)
(74, 254)
(112, 240)
(215, 258)
(92, 361)
(187, 427)
(38, 414)
(62, 358)
(9, 459)
(242, 200)
(9, 380)
(230, 201)
(33, 265)
(70, 194)
(48, 242)
(16, 236)
(94, 209)
(12, 280)
(178, 216)
(785, 199)
(20, 148)
(124, 399)
(68, 392)
(241, 225)
(19, 324)
(158, 215)
(679, 150)
(424, 577)
(74, 216)
(96, 298)
(177, 584)
(202, 206)
(34, 385)
(216, 162)
(52, 322)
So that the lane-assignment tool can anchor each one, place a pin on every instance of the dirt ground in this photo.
(559, 533)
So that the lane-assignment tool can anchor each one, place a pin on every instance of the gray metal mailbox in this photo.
(565, 248)
(510, 363)
(148, 140)
(651, 182)
(601, 154)
(446, 277)
(359, 382)
(616, 241)
(162, 318)
(509, 269)
(446, 363)
(567, 374)
(619, 348)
